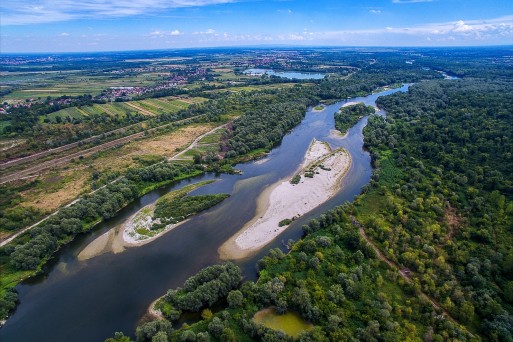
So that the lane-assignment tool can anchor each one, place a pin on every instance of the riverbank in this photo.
(321, 173)
(137, 230)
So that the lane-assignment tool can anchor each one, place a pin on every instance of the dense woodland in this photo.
(440, 206)
(348, 116)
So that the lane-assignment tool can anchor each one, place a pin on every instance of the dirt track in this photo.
(35, 170)
(405, 274)
(59, 149)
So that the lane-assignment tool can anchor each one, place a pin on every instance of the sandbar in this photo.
(284, 200)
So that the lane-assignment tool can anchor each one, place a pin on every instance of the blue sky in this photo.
(109, 25)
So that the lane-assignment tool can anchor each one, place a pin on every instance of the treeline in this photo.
(178, 209)
(384, 72)
(444, 195)
(42, 136)
(271, 114)
(348, 116)
(203, 289)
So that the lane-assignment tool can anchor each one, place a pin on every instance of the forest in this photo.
(348, 116)
(439, 208)
(424, 253)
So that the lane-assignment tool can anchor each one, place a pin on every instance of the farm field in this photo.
(149, 107)
(71, 83)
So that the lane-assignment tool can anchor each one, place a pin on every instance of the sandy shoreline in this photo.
(123, 236)
(352, 103)
(284, 200)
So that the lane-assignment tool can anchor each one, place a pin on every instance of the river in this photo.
(89, 300)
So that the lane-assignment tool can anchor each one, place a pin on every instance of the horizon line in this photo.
(269, 46)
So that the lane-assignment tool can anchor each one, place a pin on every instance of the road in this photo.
(59, 149)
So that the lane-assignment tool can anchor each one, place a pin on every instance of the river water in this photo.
(89, 300)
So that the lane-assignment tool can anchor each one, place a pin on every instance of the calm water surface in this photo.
(286, 74)
(90, 300)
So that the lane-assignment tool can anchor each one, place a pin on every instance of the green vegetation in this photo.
(442, 204)
(285, 222)
(296, 179)
(205, 288)
(348, 116)
(29, 252)
(148, 159)
(439, 206)
(172, 211)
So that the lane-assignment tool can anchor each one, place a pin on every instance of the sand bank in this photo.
(125, 235)
(351, 103)
(284, 200)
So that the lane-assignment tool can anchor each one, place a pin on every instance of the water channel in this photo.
(89, 300)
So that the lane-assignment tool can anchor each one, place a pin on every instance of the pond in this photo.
(290, 323)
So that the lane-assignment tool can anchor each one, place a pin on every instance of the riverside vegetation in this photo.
(348, 116)
(440, 206)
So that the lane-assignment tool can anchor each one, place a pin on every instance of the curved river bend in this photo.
(90, 300)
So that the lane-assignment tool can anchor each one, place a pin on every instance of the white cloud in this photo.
(375, 11)
(158, 33)
(64, 34)
(470, 31)
(210, 31)
(23, 12)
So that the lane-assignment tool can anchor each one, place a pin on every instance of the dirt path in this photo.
(196, 141)
(140, 109)
(405, 273)
(12, 237)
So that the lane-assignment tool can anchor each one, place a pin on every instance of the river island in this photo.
(318, 179)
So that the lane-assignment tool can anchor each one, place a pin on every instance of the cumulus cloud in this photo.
(22, 12)
(158, 33)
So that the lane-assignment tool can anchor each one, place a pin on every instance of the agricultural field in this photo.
(149, 107)
(71, 83)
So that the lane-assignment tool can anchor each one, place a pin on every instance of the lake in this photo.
(285, 74)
